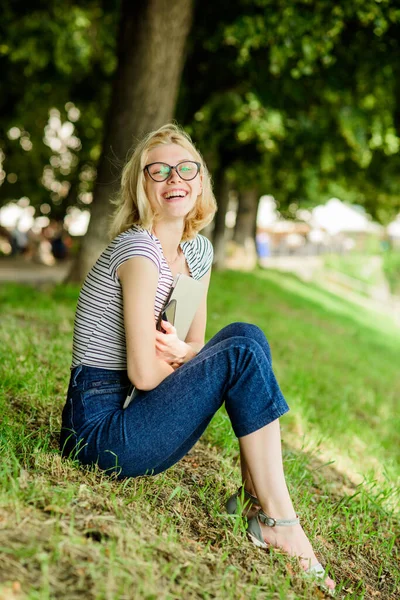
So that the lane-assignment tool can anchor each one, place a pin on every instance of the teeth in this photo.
(174, 195)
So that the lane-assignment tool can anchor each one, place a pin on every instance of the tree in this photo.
(151, 45)
(299, 97)
(304, 95)
(56, 60)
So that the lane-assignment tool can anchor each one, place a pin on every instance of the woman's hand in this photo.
(169, 347)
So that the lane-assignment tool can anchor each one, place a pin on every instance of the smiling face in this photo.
(173, 198)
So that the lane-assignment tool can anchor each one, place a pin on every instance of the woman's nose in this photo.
(174, 175)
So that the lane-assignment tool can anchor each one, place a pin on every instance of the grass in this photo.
(69, 532)
(363, 267)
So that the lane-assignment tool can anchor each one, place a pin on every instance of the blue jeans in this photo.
(160, 426)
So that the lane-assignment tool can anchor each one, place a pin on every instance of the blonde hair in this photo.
(133, 206)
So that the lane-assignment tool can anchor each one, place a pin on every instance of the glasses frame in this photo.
(158, 162)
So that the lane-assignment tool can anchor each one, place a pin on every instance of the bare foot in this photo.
(294, 541)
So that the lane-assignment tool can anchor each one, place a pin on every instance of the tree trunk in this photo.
(219, 239)
(245, 227)
(151, 44)
(243, 251)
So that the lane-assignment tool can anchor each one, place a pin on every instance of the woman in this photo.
(165, 199)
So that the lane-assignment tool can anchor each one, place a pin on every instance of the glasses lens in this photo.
(159, 171)
(187, 170)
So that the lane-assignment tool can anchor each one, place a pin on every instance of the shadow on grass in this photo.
(170, 532)
(348, 526)
(252, 290)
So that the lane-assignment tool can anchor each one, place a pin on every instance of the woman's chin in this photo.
(176, 211)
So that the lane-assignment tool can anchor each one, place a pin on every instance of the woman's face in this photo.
(173, 198)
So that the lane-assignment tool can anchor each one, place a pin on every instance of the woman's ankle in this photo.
(250, 491)
(279, 511)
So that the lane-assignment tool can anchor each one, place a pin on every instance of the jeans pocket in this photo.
(98, 401)
(102, 383)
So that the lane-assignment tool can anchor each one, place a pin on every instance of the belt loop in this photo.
(78, 370)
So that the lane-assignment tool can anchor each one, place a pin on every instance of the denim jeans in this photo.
(161, 425)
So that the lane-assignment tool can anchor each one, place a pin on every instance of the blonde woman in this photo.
(165, 200)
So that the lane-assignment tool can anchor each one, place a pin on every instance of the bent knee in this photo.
(244, 330)
(251, 332)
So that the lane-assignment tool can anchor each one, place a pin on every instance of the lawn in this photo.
(68, 532)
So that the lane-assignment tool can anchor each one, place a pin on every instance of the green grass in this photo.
(69, 532)
(363, 267)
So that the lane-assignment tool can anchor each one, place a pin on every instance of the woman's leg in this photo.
(245, 330)
(263, 476)
(257, 334)
(262, 454)
(160, 426)
(246, 477)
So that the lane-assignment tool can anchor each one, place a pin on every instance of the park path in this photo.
(20, 270)
(311, 269)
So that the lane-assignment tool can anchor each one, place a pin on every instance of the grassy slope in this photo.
(66, 532)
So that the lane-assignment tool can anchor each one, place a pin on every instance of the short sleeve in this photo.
(206, 253)
(131, 245)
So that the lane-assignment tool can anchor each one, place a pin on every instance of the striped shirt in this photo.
(99, 333)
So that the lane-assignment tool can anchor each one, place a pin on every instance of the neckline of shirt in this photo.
(184, 246)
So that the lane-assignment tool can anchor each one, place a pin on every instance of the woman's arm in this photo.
(139, 278)
(175, 351)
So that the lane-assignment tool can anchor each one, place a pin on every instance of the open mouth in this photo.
(175, 195)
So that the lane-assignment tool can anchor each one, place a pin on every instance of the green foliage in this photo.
(53, 56)
(327, 74)
(295, 98)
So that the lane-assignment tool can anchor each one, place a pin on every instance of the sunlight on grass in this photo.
(340, 376)
(334, 304)
(169, 536)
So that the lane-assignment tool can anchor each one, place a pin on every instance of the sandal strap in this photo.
(271, 522)
(233, 502)
(316, 570)
(247, 495)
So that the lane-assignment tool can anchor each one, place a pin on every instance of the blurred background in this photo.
(294, 106)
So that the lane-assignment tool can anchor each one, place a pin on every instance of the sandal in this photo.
(254, 532)
(232, 504)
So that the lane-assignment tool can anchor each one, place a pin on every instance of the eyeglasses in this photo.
(186, 170)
